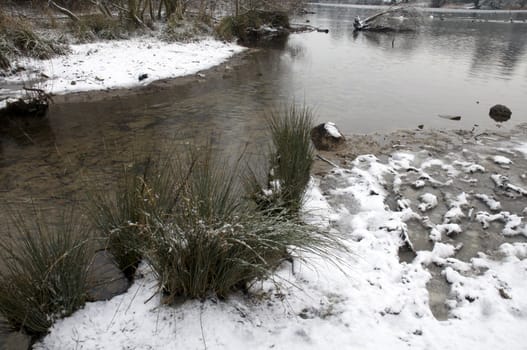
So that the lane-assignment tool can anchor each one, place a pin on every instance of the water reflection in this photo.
(386, 80)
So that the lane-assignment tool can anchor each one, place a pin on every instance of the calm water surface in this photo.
(459, 63)
(362, 82)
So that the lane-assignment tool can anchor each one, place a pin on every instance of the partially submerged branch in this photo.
(398, 19)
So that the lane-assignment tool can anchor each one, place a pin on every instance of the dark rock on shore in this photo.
(500, 113)
(13, 340)
(105, 279)
(327, 137)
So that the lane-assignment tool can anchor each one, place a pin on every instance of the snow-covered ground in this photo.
(118, 64)
(375, 300)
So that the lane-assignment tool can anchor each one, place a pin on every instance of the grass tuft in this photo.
(143, 190)
(214, 242)
(44, 273)
(290, 161)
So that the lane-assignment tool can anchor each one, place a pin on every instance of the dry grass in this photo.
(18, 38)
(290, 160)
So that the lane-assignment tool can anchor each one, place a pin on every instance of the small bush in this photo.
(238, 26)
(45, 273)
(99, 26)
(290, 161)
(184, 30)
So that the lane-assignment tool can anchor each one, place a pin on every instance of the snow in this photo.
(522, 148)
(331, 128)
(428, 201)
(373, 301)
(492, 203)
(501, 160)
(119, 63)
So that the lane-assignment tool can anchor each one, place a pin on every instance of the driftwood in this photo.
(380, 22)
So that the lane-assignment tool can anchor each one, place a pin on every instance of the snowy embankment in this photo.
(118, 64)
(374, 301)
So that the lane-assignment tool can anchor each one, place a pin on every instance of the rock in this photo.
(450, 117)
(504, 294)
(143, 77)
(13, 340)
(500, 113)
(105, 279)
(327, 137)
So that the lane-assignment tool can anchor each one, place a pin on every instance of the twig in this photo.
(327, 161)
(201, 326)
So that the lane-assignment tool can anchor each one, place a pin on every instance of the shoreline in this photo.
(216, 71)
(97, 70)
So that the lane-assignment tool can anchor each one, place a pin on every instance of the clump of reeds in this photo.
(214, 242)
(290, 160)
(143, 190)
(191, 221)
(44, 273)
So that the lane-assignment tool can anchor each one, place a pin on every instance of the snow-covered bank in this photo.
(120, 64)
(377, 301)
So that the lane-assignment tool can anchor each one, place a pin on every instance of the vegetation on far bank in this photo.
(42, 29)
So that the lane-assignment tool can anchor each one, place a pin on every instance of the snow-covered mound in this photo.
(121, 64)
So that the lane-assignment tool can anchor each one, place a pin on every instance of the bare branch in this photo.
(63, 10)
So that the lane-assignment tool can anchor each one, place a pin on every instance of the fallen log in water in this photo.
(395, 19)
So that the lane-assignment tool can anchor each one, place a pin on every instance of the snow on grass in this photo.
(120, 63)
(373, 301)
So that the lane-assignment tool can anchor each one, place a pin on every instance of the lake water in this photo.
(360, 81)
(459, 63)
